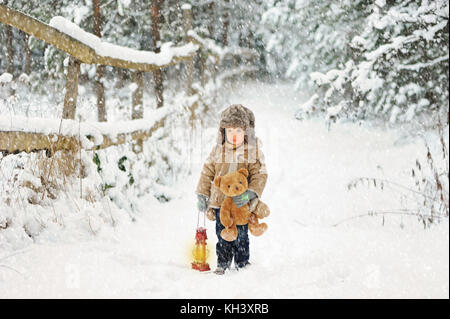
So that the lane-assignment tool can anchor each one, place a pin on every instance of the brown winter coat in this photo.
(218, 164)
(224, 158)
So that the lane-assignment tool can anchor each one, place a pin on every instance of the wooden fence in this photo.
(79, 52)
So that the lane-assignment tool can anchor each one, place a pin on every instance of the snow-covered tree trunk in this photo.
(187, 16)
(211, 21)
(157, 74)
(226, 23)
(27, 67)
(99, 87)
(9, 47)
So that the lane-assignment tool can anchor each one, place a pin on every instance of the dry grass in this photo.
(40, 180)
(429, 193)
(54, 172)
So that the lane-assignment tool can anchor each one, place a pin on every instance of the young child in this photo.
(236, 147)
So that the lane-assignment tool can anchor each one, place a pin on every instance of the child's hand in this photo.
(211, 214)
(244, 198)
(202, 203)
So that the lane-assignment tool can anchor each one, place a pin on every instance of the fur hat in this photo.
(237, 115)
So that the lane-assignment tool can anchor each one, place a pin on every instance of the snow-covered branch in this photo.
(220, 52)
(421, 65)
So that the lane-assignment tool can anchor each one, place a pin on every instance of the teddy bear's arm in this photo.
(225, 212)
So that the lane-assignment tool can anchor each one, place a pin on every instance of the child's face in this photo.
(234, 135)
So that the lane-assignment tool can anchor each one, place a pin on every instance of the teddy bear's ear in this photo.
(217, 181)
(243, 171)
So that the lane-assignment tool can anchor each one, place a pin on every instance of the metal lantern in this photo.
(200, 251)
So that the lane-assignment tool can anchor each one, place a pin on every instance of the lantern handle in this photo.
(198, 219)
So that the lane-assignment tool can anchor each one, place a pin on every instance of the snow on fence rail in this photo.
(24, 134)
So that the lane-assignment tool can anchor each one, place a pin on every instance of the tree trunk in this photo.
(121, 76)
(173, 7)
(251, 45)
(157, 74)
(187, 16)
(27, 68)
(211, 20)
(99, 87)
(9, 47)
(70, 99)
(226, 24)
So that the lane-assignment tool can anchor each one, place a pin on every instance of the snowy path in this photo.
(301, 256)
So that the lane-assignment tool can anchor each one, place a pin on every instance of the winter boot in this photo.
(219, 270)
(244, 266)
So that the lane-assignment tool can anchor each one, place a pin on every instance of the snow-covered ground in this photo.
(301, 256)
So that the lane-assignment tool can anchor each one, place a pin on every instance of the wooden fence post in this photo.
(70, 99)
(137, 108)
(100, 92)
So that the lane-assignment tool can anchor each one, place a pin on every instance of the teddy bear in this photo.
(233, 184)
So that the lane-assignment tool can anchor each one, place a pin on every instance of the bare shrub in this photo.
(431, 186)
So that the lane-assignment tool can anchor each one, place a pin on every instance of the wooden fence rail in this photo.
(55, 135)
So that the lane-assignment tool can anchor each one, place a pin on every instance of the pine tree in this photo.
(398, 67)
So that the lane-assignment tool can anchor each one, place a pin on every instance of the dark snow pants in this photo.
(226, 250)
